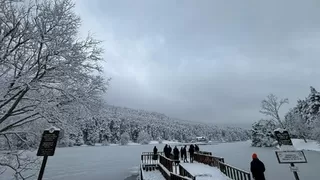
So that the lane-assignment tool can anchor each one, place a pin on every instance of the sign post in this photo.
(288, 154)
(47, 146)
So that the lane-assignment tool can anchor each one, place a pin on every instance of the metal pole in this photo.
(294, 172)
(43, 165)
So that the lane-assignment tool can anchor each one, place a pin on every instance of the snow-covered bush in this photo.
(144, 138)
(262, 133)
(160, 141)
(66, 142)
(124, 139)
(105, 143)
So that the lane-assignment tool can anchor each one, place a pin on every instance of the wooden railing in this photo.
(147, 158)
(204, 152)
(141, 173)
(184, 172)
(230, 171)
(169, 164)
(165, 172)
(171, 171)
(208, 159)
(233, 172)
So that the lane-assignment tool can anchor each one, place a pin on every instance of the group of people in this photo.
(174, 153)
(257, 167)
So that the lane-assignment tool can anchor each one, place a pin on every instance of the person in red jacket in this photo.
(257, 168)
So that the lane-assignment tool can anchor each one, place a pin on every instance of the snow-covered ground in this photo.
(311, 145)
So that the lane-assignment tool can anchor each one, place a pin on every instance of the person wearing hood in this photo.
(191, 152)
(155, 153)
(257, 168)
(166, 150)
(169, 151)
(184, 153)
(176, 154)
(196, 148)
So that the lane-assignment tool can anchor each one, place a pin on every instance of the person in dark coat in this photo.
(181, 152)
(176, 154)
(257, 168)
(166, 150)
(191, 151)
(155, 153)
(169, 151)
(196, 148)
(184, 153)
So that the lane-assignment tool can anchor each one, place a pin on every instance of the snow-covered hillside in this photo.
(140, 125)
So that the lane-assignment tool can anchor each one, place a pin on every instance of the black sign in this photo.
(283, 138)
(48, 143)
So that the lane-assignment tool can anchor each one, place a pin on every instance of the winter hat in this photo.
(254, 156)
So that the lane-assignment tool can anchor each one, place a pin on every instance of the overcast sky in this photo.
(206, 60)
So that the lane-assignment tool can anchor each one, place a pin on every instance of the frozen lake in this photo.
(121, 162)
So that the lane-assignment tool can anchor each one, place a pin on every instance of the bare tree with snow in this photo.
(44, 68)
(270, 107)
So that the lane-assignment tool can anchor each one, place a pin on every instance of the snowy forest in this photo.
(302, 121)
(114, 123)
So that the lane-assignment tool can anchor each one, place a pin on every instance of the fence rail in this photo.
(234, 173)
(169, 164)
(230, 171)
(208, 159)
(184, 172)
(205, 152)
(150, 158)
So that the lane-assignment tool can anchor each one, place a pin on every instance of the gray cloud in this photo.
(210, 61)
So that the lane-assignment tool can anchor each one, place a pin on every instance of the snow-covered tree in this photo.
(262, 133)
(124, 139)
(304, 119)
(271, 106)
(144, 138)
(44, 70)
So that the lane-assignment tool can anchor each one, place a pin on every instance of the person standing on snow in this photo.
(191, 151)
(184, 153)
(176, 154)
(257, 168)
(166, 150)
(169, 151)
(196, 148)
(155, 153)
(181, 152)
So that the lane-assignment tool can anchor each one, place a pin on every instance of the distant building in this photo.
(201, 139)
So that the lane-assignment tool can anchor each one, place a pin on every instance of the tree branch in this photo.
(14, 105)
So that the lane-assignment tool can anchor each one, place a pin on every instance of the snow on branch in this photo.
(271, 105)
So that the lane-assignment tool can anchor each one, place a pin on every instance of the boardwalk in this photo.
(204, 172)
(204, 167)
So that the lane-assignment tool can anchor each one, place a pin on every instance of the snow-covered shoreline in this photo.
(311, 145)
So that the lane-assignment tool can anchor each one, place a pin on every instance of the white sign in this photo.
(291, 157)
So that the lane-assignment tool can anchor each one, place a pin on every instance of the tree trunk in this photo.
(304, 139)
